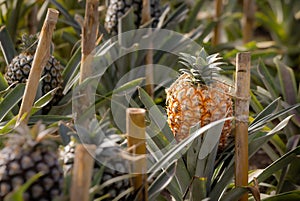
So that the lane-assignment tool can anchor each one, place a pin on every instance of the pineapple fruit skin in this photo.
(22, 160)
(117, 8)
(189, 103)
(114, 167)
(19, 68)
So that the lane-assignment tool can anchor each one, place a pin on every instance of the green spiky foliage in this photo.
(27, 152)
(110, 173)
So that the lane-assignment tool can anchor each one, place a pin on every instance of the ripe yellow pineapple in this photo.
(198, 97)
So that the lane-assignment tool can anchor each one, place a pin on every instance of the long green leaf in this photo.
(43, 101)
(258, 142)
(234, 194)
(268, 118)
(7, 45)
(161, 182)
(288, 196)
(11, 100)
(287, 82)
(279, 164)
(72, 67)
(267, 79)
(70, 19)
(191, 19)
(267, 111)
(48, 119)
(13, 18)
(3, 84)
(155, 114)
(176, 151)
(254, 145)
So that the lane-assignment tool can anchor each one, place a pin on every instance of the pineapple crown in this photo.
(26, 137)
(203, 68)
(29, 43)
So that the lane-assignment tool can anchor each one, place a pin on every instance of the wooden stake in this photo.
(82, 172)
(242, 92)
(89, 37)
(135, 125)
(217, 30)
(248, 20)
(146, 17)
(88, 43)
(39, 61)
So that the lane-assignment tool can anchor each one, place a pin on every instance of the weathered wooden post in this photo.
(39, 61)
(242, 92)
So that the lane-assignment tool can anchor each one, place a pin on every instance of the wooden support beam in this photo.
(242, 92)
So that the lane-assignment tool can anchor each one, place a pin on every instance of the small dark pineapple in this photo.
(117, 8)
(23, 157)
(114, 167)
(18, 70)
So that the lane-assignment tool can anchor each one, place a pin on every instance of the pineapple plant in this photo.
(26, 153)
(117, 8)
(198, 97)
(19, 68)
(110, 163)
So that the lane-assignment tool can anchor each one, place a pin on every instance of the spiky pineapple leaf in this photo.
(279, 164)
(11, 100)
(234, 194)
(260, 124)
(161, 182)
(43, 101)
(176, 151)
(3, 83)
(191, 19)
(267, 79)
(48, 119)
(254, 145)
(69, 19)
(71, 67)
(267, 111)
(290, 196)
(156, 115)
(126, 22)
(7, 45)
(211, 139)
(287, 82)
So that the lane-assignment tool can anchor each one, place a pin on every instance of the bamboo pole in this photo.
(39, 61)
(135, 126)
(217, 30)
(242, 92)
(146, 17)
(248, 20)
(82, 172)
